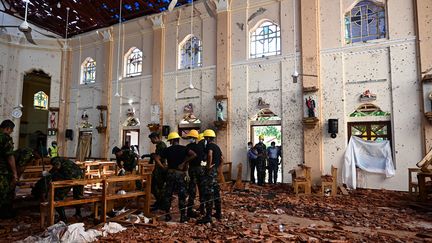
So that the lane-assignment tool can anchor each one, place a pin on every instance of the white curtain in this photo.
(370, 156)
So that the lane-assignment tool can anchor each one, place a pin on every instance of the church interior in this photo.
(287, 118)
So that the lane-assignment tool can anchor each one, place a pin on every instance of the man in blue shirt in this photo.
(252, 156)
(273, 162)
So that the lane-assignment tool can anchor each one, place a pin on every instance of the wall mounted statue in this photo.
(310, 104)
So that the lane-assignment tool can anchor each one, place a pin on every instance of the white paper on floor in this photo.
(76, 233)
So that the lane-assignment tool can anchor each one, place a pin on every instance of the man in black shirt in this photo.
(159, 172)
(211, 191)
(195, 171)
(178, 157)
(261, 149)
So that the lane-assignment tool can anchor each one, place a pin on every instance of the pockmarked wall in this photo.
(388, 68)
(18, 57)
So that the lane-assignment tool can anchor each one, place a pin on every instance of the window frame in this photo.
(349, 22)
(86, 69)
(199, 63)
(45, 98)
(369, 124)
(129, 61)
(255, 32)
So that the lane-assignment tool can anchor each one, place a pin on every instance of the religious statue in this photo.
(219, 111)
(101, 119)
(53, 120)
(310, 103)
(84, 115)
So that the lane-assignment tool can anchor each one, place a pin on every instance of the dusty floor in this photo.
(273, 213)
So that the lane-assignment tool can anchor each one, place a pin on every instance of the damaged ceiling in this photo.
(84, 15)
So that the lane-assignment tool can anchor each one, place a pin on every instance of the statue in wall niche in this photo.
(220, 111)
(53, 120)
(310, 103)
(101, 119)
(84, 115)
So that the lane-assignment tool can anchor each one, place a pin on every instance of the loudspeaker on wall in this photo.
(333, 127)
(69, 134)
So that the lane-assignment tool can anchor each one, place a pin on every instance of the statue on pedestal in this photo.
(310, 103)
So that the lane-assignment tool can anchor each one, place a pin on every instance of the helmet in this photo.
(173, 135)
(115, 150)
(193, 134)
(261, 137)
(200, 137)
(209, 133)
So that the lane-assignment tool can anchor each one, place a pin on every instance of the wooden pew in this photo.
(109, 188)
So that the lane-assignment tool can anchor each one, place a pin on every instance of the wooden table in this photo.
(421, 178)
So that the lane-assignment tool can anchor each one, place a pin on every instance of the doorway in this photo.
(34, 120)
(272, 133)
(131, 139)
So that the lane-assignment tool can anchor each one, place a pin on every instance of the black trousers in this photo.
(253, 164)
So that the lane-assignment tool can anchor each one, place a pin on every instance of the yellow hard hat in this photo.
(173, 135)
(261, 137)
(209, 133)
(192, 134)
(200, 137)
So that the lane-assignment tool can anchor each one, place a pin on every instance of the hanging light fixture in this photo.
(118, 51)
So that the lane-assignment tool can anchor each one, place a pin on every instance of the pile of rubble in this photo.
(274, 213)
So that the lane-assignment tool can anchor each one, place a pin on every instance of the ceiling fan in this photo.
(25, 28)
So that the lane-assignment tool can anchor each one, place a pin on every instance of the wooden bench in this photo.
(144, 166)
(227, 171)
(32, 174)
(109, 188)
(330, 181)
(302, 181)
(413, 185)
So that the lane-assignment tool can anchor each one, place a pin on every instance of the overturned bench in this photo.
(97, 199)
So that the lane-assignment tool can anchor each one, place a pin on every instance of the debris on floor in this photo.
(274, 213)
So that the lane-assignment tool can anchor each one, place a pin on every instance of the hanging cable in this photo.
(118, 51)
(295, 74)
(191, 86)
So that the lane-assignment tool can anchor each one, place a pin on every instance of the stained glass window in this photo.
(190, 53)
(133, 62)
(366, 21)
(374, 131)
(265, 40)
(88, 71)
(368, 109)
(40, 101)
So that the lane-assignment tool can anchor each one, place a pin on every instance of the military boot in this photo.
(218, 214)
(62, 214)
(191, 213)
(183, 218)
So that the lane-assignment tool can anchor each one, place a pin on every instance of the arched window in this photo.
(265, 40)
(40, 101)
(88, 71)
(190, 53)
(365, 21)
(133, 60)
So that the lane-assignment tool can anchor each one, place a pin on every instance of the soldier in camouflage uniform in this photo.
(177, 157)
(8, 171)
(261, 149)
(126, 162)
(195, 172)
(159, 173)
(211, 190)
(62, 169)
(23, 156)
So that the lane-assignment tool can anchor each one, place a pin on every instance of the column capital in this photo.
(157, 21)
(221, 5)
(106, 35)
